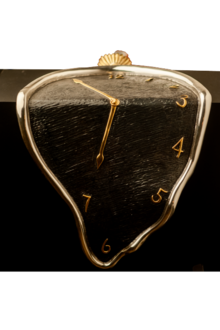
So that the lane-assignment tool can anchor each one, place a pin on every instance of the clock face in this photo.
(118, 144)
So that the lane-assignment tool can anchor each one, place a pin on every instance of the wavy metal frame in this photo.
(204, 105)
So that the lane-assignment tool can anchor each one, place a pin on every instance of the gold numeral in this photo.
(119, 76)
(150, 79)
(174, 86)
(107, 246)
(87, 202)
(180, 142)
(183, 97)
(158, 194)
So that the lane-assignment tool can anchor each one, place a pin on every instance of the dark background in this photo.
(37, 228)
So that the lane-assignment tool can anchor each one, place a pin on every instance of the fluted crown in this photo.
(118, 58)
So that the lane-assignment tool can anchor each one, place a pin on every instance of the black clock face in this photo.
(145, 147)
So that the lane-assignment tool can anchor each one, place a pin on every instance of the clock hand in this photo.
(112, 99)
(100, 157)
(114, 103)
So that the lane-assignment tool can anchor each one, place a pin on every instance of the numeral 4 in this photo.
(180, 142)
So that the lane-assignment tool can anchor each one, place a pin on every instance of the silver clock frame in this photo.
(204, 105)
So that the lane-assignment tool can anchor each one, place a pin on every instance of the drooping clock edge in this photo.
(204, 106)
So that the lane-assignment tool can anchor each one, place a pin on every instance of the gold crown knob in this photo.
(118, 58)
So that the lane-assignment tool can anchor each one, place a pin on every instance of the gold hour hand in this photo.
(114, 103)
(100, 156)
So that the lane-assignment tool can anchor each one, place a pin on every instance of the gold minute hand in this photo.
(114, 103)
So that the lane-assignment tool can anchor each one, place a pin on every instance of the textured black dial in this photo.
(68, 122)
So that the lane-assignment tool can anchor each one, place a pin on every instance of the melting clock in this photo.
(118, 142)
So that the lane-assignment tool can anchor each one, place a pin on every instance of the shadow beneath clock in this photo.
(38, 231)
